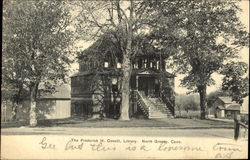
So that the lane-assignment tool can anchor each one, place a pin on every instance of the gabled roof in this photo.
(227, 100)
(234, 107)
(62, 92)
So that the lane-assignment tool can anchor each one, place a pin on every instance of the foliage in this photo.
(190, 114)
(233, 81)
(36, 41)
(197, 38)
(206, 35)
(36, 44)
(187, 102)
(122, 21)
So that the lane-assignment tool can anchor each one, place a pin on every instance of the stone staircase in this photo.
(153, 107)
(158, 109)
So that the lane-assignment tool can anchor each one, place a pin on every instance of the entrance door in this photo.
(147, 85)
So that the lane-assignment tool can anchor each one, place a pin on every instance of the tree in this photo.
(12, 85)
(37, 45)
(206, 34)
(187, 102)
(190, 105)
(234, 82)
(121, 19)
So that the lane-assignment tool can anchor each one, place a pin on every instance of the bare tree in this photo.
(123, 20)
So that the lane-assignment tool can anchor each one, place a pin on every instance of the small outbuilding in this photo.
(50, 106)
(224, 107)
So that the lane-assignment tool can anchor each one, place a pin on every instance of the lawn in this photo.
(13, 124)
(189, 114)
(112, 123)
(80, 122)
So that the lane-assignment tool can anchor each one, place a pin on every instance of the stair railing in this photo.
(142, 104)
(166, 100)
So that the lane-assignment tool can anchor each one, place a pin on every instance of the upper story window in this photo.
(137, 63)
(148, 63)
(106, 64)
(118, 65)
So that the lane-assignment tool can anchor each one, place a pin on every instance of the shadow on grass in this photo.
(59, 122)
(14, 124)
(79, 122)
(102, 123)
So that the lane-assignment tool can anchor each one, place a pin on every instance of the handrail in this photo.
(143, 105)
(166, 100)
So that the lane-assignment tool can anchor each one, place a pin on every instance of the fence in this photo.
(240, 128)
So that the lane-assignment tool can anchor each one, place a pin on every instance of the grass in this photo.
(101, 123)
(189, 120)
(13, 124)
(189, 114)
(111, 123)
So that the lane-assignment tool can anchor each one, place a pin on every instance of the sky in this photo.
(244, 17)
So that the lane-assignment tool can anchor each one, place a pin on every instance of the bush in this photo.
(244, 118)
(187, 103)
(189, 114)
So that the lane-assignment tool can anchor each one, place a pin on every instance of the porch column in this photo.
(136, 82)
(222, 113)
(160, 84)
(136, 63)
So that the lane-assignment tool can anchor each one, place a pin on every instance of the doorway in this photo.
(149, 85)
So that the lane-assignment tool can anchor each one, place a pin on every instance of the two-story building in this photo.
(95, 89)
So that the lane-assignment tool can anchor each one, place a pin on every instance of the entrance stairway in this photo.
(158, 109)
(153, 107)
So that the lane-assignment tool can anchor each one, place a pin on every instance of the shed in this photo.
(49, 106)
(224, 107)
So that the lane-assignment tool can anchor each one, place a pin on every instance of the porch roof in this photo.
(235, 107)
(81, 74)
(148, 71)
(221, 107)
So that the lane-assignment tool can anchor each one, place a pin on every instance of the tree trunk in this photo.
(126, 66)
(14, 111)
(125, 89)
(16, 102)
(32, 116)
(203, 94)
